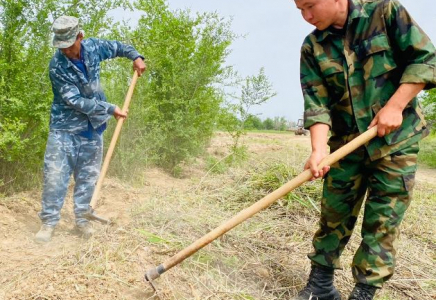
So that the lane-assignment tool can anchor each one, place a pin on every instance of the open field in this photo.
(263, 258)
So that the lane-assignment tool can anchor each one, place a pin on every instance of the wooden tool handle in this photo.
(261, 204)
(115, 136)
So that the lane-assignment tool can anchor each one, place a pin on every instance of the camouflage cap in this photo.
(65, 29)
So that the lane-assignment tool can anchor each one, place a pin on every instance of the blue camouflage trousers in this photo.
(66, 154)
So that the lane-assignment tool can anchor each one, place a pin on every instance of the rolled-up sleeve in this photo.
(316, 98)
(415, 47)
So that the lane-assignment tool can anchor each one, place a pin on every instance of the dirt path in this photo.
(426, 175)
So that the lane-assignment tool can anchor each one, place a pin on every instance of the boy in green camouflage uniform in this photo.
(362, 66)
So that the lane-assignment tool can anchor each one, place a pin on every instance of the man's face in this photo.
(319, 13)
(74, 50)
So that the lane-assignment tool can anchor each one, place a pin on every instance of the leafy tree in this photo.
(176, 107)
(292, 124)
(24, 91)
(255, 90)
(429, 102)
(280, 123)
(253, 122)
(268, 124)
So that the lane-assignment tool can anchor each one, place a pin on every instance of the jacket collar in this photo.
(66, 63)
(355, 11)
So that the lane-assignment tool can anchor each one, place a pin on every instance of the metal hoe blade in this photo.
(92, 216)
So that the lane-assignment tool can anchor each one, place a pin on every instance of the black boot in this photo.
(363, 292)
(319, 286)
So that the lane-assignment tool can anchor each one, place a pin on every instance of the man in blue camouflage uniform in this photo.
(78, 119)
(362, 66)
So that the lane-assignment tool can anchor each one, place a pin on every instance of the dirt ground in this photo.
(153, 222)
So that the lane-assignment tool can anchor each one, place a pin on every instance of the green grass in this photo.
(427, 153)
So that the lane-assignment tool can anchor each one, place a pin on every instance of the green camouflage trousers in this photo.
(388, 184)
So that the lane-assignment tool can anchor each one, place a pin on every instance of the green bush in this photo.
(428, 100)
(176, 106)
(215, 165)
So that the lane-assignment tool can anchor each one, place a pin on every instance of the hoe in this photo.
(90, 214)
(265, 202)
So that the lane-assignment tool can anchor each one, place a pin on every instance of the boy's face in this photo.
(319, 13)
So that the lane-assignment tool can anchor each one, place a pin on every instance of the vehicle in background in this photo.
(300, 128)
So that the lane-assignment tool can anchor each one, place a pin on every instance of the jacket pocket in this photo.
(413, 122)
(333, 74)
(376, 56)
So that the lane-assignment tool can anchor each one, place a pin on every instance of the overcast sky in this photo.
(274, 32)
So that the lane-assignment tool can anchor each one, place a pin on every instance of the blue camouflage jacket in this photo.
(77, 98)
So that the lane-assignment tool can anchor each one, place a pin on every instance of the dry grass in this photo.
(263, 258)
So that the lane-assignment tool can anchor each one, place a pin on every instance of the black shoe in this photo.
(319, 286)
(363, 292)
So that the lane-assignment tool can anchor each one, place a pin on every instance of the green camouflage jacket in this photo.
(347, 78)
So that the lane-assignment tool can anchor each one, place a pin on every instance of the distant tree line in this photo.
(276, 123)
